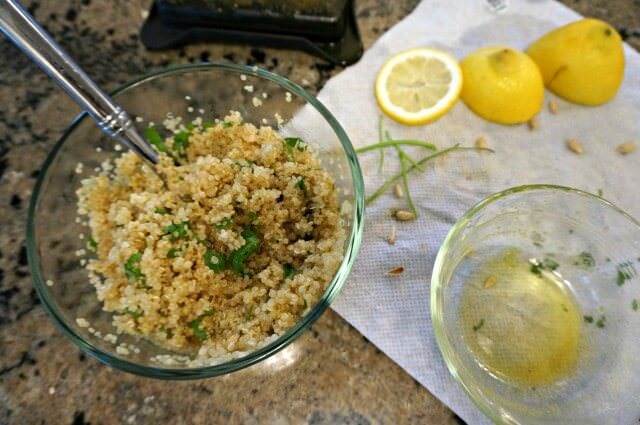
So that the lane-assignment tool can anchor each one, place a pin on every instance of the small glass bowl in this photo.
(55, 240)
(587, 243)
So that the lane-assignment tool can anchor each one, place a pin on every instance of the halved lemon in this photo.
(418, 86)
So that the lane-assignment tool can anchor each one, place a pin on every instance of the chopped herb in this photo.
(588, 319)
(214, 260)
(564, 308)
(177, 231)
(199, 333)
(537, 244)
(227, 124)
(207, 124)
(161, 211)
(153, 137)
(174, 252)
(245, 164)
(181, 141)
(251, 245)
(626, 271)
(478, 325)
(190, 126)
(133, 313)
(291, 144)
(302, 186)
(224, 223)
(571, 231)
(600, 192)
(252, 216)
(289, 271)
(92, 245)
(248, 313)
(131, 268)
(601, 321)
(305, 303)
(634, 305)
(546, 264)
(585, 259)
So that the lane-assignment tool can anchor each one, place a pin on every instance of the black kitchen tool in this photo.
(326, 28)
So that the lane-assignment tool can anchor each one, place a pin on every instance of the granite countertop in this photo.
(330, 375)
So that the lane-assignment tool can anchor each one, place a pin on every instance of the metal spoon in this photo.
(24, 32)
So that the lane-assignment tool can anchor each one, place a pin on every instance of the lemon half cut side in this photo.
(418, 86)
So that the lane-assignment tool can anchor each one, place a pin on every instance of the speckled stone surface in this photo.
(331, 375)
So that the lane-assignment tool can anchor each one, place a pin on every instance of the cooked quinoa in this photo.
(221, 253)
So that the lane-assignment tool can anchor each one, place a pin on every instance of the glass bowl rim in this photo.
(444, 344)
(333, 288)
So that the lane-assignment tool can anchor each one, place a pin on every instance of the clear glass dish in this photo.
(567, 295)
(210, 90)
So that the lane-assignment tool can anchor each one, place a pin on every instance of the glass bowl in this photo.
(209, 90)
(535, 307)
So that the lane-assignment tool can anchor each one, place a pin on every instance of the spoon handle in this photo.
(35, 42)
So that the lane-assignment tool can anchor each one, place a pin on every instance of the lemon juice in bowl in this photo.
(536, 307)
(520, 319)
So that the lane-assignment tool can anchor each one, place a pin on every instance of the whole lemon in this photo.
(582, 62)
(502, 85)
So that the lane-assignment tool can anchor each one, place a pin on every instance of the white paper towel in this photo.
(394, 312)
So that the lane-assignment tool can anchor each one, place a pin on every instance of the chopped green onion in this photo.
(201, 334)
(131, 268)
(181, 141)
(190, 126)
(174, 252)
(291, 144)
(177, 231)
(133, 313)
(92, 245)
(153, 137)
(195, 324)
(214, 260)
(289, 271)
(207, 124)
(240, 256)
(248, 313)
(252, 216)
(601, 321)
(227, 124)
(634, 305)
(302, 186)
(161, 211)
(224, 223)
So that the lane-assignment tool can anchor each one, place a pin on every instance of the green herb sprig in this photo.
(407, 164)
